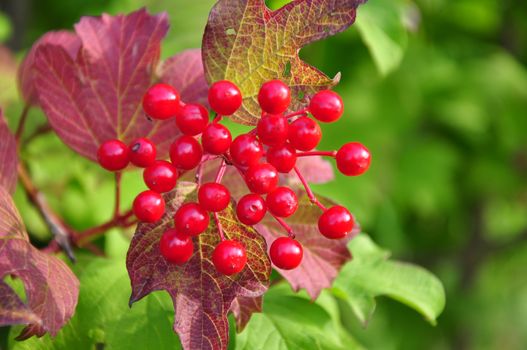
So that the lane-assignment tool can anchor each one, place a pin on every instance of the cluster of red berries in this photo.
(260, 155)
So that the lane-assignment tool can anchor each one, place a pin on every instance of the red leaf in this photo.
(247, 43)
(202, 297)
(184, 71)
(8, 157)
(51, 288)
(243, 308)
(96, 95)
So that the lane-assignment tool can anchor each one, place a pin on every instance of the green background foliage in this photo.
(437, 90)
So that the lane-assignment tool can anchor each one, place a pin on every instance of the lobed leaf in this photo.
(243, 308)
(8, 157)
(202, 297)
(248, 44)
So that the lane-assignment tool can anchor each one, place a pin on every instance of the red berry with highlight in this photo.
(283, 158)
(336, 222)
(216, 139)
(149, 206)
(213, 196)
(229, 257)
(192, 119)
(261, 178)
(186, 152)
(224, 97)
(326, 106)
(191, 219)
(272, 129)
(176, 247)
(142, 152)
(274, 97)
(282, 202)
(161, 176)
(353, 159)
(113, 155)
(246, 150)
(251, 209)
(304, 134)
(286, 253)
(161, 101)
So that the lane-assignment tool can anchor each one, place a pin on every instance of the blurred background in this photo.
(436, 89)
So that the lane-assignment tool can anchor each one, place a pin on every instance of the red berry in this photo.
(213, 196)
(353, 159)
(113, 155)
(273, 129)
(283, 158)
(304, 134)
(185, 152)
(251, 209)
(224, 97)
(282, 202)
(161, 101)
(192, 119)
(274, 97)
(261, 178)
(326, 106)
(191, 219)
(142, 152)
(161, 176)
(176, 247)
(216, 139)
(336, 222)
(229, 257)
(149, 206)
(246, 150)
(286, 253)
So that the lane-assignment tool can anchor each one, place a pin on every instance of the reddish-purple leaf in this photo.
(13, 310)
(247, 43)
(8, 157)
(184, 71)
(202, 297)
(26, 78)
(51, 288)
(96, 95)
(243, 308)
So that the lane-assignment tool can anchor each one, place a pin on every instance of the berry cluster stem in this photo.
(302, 112)
(218, 224)
(309, 192)
(289, 230)
(317, 153)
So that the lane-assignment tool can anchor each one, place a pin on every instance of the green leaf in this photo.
(371, 274)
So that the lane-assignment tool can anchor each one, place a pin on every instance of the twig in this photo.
(87, 235)
(22, 123)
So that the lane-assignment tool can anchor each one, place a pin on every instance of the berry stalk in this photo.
(309, 192)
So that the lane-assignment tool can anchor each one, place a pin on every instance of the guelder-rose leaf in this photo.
(248, 44)
(243, 308)
(51, 288)
(12, 309)
(8, 157)
(96, 95)
(184, 71)
(202, 296)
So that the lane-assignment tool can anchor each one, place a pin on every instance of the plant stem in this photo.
(22, 124)
(117, 208)
(221, 171)
(309, 192)
(302, 112)
(284, 224)
(317, 153)
(120, 221)
(218, 224)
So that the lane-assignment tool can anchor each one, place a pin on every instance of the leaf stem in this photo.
(317, 153)
(119, 221)
(22, 124)
(312, 198)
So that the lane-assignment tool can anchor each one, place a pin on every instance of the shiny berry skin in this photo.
(282, 202)
(353, 159)
(113, 155)
(304, 134)
(213, 196)
(142, 152)
(224, 97)
(149, 206)
(191, 219)
(326, 106)
(261, 178)
(272, 129)
(229, 257)
(274, 97)
(186, 152)
(246, 150)
(251, 209)
(283, 158)
(191, 119)
(161, 176)
(216, 139)
(286, 253)
(176, 247)
(161, 101)
(336, 222)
